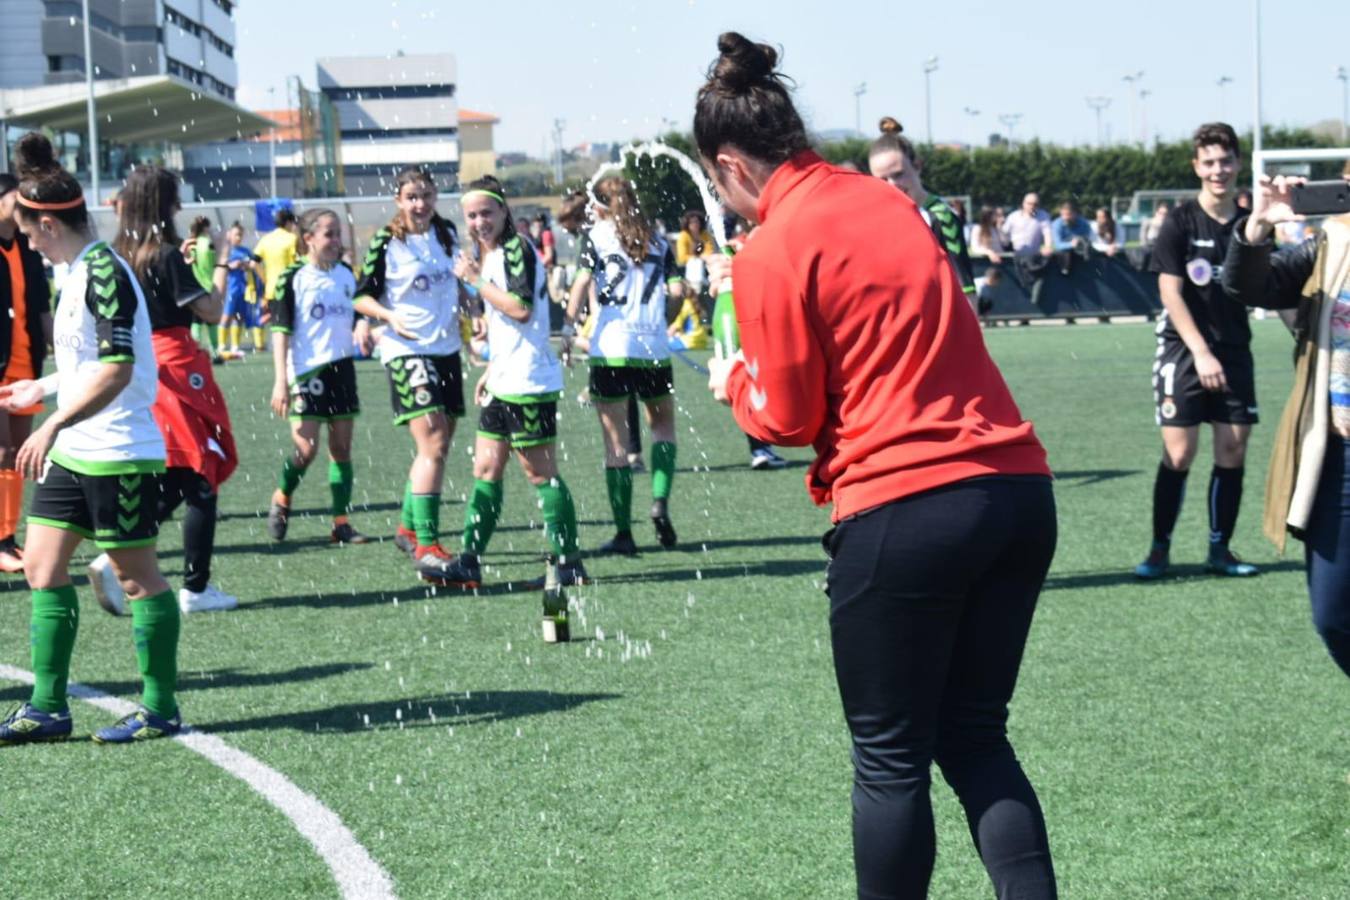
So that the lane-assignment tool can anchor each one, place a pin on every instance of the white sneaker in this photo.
(213, 599)
(107, 589)
(764, 458)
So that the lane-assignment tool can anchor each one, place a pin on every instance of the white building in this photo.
(393, 111)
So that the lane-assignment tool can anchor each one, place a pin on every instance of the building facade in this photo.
(190, 39)
(393, 111)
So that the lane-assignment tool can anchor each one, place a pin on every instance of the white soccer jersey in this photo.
(101, 318)
(522, 365)
(631, 323)
(314, 307)
(415, 277)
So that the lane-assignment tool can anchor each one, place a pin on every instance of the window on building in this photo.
(390, 92)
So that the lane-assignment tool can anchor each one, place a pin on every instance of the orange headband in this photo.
(33, 204)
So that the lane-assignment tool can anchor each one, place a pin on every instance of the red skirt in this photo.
(190, 409)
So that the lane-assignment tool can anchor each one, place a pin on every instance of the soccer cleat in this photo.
(665, 532)
(11, 556)
(764, 458)
(142, 725)
(405, 539)
(1155, 565)
(622, 544)
(344, 533)
(435, 566)
(107, 588)
(278, 517)
(30, 725)
(1222, 562)
(213, 599)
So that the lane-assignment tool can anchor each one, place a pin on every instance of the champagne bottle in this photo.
(726, 335)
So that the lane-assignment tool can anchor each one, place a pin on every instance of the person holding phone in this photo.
(1308, 483)
(944, 516)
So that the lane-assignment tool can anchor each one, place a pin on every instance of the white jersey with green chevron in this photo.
(415, 277)
(522, 364)
(631, 322)
(101, 318)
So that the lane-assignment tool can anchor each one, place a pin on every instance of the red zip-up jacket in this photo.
(858, 340)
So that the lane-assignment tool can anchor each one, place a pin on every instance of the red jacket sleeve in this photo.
(778, 394)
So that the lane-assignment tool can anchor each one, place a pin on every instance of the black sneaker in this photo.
(435, 566)
(278, 518)
(344, 533)
(622, 544)
(665, 532)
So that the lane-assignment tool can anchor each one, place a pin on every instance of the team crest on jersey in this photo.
(316, 387)
(1200, 271)
(196, 381)
(422, 397)
(1168, 408)
(421, 283)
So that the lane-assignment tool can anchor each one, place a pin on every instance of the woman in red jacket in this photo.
(944, 515)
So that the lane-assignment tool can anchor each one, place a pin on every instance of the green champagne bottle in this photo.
(726, 335)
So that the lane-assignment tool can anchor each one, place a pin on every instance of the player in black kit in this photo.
(1203, 369)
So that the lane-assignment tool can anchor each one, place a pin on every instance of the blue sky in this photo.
(614, 70)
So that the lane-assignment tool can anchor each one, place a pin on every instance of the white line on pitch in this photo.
(358, 876)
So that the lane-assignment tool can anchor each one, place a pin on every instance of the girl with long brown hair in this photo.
(633, 268)
(189, 407)
(408, 283)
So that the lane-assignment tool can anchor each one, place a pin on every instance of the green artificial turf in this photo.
(1189, 739)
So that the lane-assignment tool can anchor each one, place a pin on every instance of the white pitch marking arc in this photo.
(358, 876)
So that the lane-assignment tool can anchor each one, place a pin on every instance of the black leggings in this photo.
(187, 486)
(931, 599)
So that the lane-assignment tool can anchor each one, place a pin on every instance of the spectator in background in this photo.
(1148, 232)
(1244, 200)
(1027, 230)
(987, 238)
(693, 245)
(1070, 235)
(1107, 239)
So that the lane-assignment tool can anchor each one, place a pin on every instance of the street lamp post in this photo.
(1132, 80)
(857, 106)
(558, 126)
(973, 113)
(1224, 81)
(930, 65)
(1010, 121)
(1344, 77)
(1097, 104)
(89, 111)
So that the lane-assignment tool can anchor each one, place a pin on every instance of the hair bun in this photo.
(889, 125)
(34, 156)
(742, 62)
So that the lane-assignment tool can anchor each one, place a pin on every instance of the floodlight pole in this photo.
(1256, 91)
(857, 106)
(272, 142)
(1223, 82)
(1097, 104)
(973, 113)
(93, 119)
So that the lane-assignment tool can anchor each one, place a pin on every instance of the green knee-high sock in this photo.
(663, 469)
(480, 518)
(291, 473)
(55, 620)
(406, 518)
(427, 517)
(340, 486)
(154, 623)
(619, 484)
(212, 338)
(560, 519)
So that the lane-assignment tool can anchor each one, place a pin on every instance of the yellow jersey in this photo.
(277, 249)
